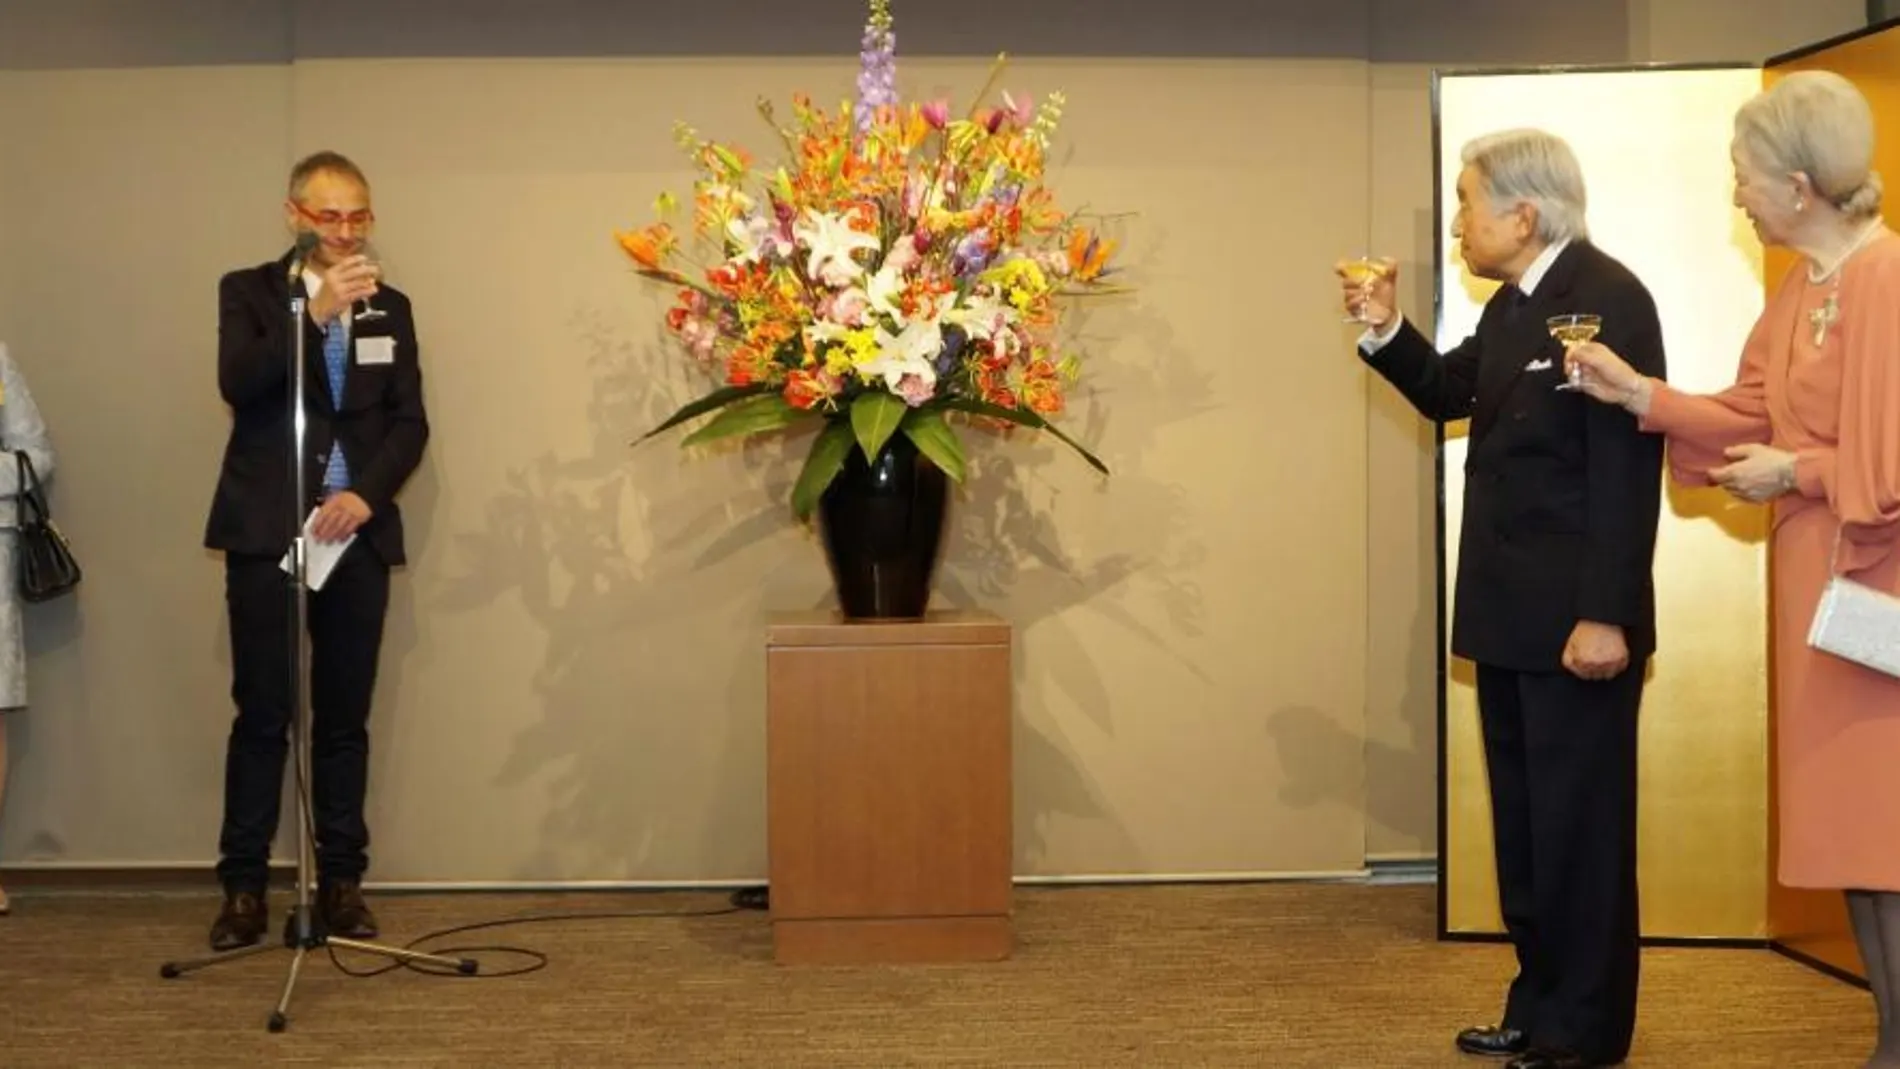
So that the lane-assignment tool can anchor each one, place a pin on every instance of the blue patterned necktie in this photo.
(336, 348)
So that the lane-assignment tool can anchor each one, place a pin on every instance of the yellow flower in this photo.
(1020, 280)
(859, 347)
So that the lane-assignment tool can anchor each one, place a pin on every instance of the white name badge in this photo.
(371, 351)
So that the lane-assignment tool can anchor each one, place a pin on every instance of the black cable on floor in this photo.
(744, 899)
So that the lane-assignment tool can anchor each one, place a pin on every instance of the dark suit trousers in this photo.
(1561, 756)
(346, 632)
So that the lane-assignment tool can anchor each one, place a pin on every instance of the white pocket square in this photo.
(1539, 365)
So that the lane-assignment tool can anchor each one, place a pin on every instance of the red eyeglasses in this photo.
(330, 220)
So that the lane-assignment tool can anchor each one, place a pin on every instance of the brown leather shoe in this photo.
(345, 914)
(242, 921)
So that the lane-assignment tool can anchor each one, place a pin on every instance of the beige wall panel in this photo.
(123, 195)
(1736, 31)
(1401, 561)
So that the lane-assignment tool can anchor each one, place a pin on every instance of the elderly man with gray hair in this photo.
(1554, 602)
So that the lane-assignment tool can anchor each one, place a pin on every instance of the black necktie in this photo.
(1514, 301)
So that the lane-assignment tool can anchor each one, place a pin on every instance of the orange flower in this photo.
(1041, 387)
(648, 246)
(992, 384)
(1088, 254)
(1023, 155)
(1041, 213)
(861, 216)
(727, 278)
(804, 389)
(747, 366)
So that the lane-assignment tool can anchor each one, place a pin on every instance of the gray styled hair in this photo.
(325, 162)
(1535, 167)
(1818, 124)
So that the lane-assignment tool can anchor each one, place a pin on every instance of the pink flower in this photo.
(1023, 111)
(914, 192)
(914, 390)
(698, 336)
(1004, 343)
(937, 113)
(904, 254)
(846, 308)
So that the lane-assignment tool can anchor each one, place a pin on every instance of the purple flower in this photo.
(972, 254)
(877, 59)
(954, 339)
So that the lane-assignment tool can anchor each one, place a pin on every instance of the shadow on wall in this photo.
(1006, 553)
(652, 591)
(650, 601)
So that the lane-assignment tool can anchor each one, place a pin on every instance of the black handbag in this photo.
(46, 567)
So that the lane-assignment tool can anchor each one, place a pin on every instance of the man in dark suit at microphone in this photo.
(365, 433)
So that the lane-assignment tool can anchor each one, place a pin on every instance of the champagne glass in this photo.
(1573, 329)
(365, 310)
(1362, 272)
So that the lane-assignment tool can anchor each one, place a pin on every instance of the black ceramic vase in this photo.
(882, 526)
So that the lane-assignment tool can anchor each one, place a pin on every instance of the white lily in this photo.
(832, 241)
(749, 234)
(884, 289)
(908, 352)
(981, 315)
(823, 331)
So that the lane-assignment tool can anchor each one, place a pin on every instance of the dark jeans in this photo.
(346, 633)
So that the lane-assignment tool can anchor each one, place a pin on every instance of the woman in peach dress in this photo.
(1812, 424)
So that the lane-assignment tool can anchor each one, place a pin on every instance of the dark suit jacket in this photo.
(381, 423)
(1562, 492)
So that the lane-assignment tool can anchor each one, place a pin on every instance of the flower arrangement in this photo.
(898, 265)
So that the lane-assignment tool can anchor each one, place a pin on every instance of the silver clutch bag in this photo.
(1857, 623)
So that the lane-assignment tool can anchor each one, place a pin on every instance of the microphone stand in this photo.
(304, 929)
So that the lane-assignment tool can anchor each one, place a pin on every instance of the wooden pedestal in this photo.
(888, 796)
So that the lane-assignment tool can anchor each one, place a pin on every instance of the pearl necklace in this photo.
(1852, 248)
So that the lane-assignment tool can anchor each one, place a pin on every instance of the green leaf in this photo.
(719, 398)
(750, 416)
(936, 440)
(822, 464)
(1022, 417)
(875, 416)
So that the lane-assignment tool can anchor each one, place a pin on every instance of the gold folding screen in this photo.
(1654, 149)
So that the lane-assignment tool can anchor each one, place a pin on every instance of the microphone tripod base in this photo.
(303, 933)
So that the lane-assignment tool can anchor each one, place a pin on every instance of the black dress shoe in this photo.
(1493, 1041)
(345, 914)
(1554, 1059)
(241, 921)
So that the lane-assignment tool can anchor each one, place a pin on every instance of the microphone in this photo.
(306, 241)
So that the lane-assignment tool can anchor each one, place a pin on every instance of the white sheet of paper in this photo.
(319, 557)
(371, 351)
